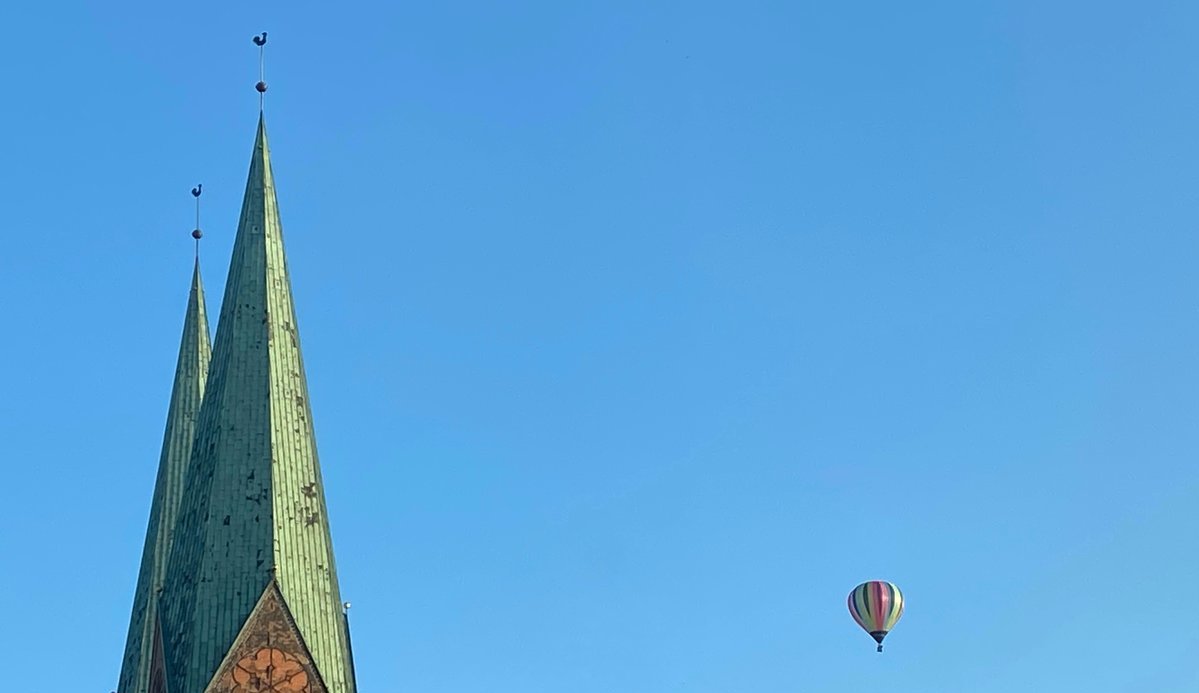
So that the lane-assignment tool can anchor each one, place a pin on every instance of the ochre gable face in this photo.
(269, 670)
(269, 655)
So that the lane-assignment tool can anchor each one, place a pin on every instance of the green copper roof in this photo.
(190, 374)
(254, 504)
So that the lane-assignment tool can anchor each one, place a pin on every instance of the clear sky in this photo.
(637, 333)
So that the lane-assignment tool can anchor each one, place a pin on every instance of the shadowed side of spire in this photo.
(254, 512)
(191, 372)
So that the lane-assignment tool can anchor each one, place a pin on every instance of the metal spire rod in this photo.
(260, 41)
(197, 233)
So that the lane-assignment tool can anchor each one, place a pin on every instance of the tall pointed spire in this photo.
(253, 559)
(191, 371)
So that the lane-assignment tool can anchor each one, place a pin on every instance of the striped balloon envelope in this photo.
(876, 606)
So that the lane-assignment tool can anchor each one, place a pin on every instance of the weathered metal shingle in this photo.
(191, 371)
(254, 503)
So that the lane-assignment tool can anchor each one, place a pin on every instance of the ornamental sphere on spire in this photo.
(261, 87)
(197, 234)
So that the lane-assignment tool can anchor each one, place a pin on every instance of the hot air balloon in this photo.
(876, 606)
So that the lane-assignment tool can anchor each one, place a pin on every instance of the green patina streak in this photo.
(254, 505)
(191, 371)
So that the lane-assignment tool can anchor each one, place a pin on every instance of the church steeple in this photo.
(253, 588)
(191, 371)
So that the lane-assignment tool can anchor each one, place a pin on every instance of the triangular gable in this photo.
(269, 655)
(158, 664)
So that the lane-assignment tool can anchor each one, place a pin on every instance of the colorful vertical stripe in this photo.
(876, 606)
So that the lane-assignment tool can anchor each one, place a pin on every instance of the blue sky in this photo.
(638, 333)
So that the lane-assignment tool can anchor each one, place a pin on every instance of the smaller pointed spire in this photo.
(191, 374)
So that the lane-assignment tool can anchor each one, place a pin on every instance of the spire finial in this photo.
(260, 41)
(196, 232)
